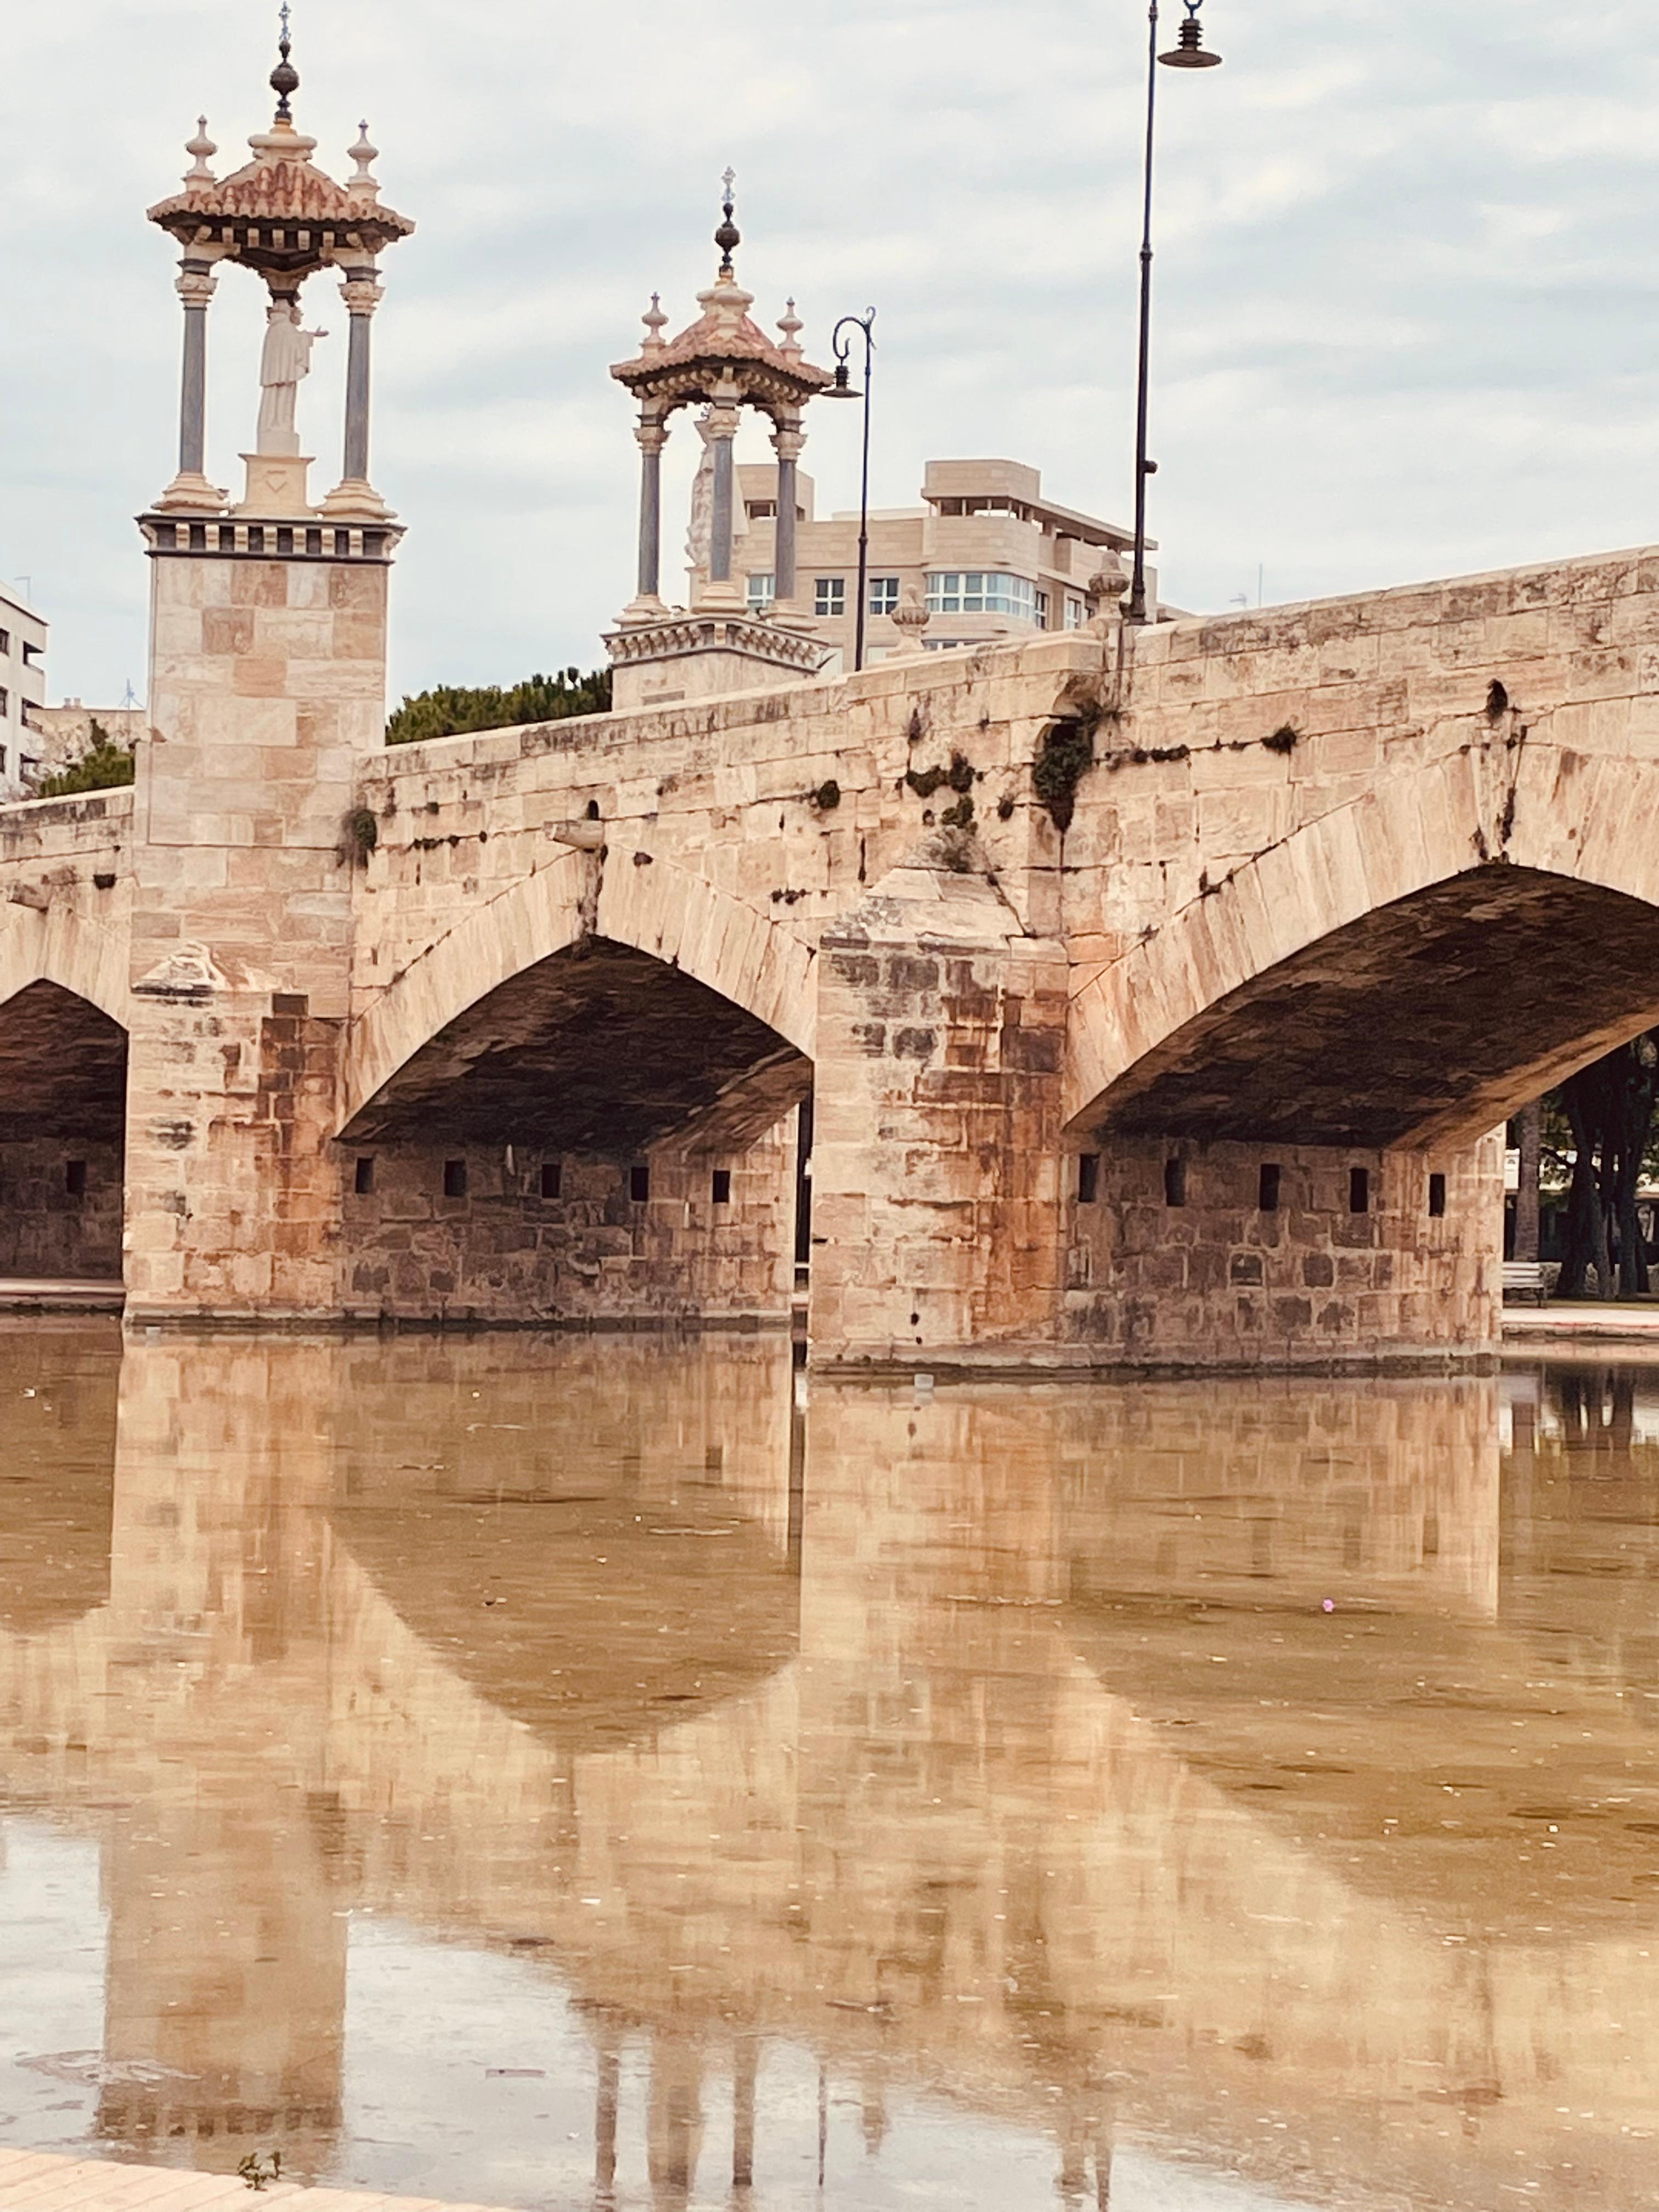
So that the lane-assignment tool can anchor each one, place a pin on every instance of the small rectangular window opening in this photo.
(552, 1179)
(1267, 1196)
(639, 1183)
(1088, 1179)
(722, 1186)
(454, 1178)
(75, 1178)
(1175, 1182)
(363, 1181)
(1359, 1190)
(1437, 1197)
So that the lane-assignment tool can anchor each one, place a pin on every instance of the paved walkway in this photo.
(38, 2181)
(1575, 1320)
(25, 1294)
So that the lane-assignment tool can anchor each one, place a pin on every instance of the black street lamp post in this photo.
(1189, 53)
(844, 388)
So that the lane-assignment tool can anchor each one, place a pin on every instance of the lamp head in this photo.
(843, 387)
(1189, 52)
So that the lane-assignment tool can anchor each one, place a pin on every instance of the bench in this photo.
(1526, 1282)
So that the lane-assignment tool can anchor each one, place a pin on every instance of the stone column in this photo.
(651, 434)
(722, 427)
(787, 440)
(354, 494)
(938, 1226)
(190, 488)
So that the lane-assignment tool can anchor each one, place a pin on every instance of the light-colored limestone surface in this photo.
(1349, 880)
(34, 2181)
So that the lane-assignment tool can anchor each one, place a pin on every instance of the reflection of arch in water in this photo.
(939, 1801)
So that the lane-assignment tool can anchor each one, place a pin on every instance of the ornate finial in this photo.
(365, 156)
(656, 323)
(201, 147)
(729, 237)
(791, 325)
(284, 78)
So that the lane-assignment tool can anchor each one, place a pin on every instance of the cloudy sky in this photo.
(1405, 309)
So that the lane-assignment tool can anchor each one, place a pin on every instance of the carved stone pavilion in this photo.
(286, 220)
(721, 364)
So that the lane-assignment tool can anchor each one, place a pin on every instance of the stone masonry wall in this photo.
(493, 1248)
(53, 1223)
(1218, 1279)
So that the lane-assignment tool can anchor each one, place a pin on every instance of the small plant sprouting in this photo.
(259, 2172)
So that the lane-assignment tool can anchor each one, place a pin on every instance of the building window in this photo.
(829, 595)
(5, 701)
(31, 655)
(6, 640)
(639, 1183)
(1267, 1193)
(883, 595)
(1437, 1197)
(1175, 1182)
(1076, 614)
(763, 590)
(454, 1178)
(1359, 1190)
(1088, 1179)
(981, 592)
(722, 1187)
(363, 1181)
(75, 1178)
(1042, 610)
(552, 1179)
(762, 510)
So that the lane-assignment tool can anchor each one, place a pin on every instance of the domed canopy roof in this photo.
(723, 354)
(280, 214)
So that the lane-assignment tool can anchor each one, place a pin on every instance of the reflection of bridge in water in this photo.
(1024, 1764)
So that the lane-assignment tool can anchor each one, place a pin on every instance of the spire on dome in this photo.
(655, 324)
(365, 185)
(201, 148)
(792, 326)
(729, 237)
(284, 78)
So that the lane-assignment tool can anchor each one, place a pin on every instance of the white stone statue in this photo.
(285, 360)
(699, 537)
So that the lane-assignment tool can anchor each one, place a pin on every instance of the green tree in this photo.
(104, 766)
(1609, 1110)
(451, 710)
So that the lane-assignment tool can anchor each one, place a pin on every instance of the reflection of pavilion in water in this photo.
(1049, 1769)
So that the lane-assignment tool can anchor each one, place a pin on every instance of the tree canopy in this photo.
(104, 766)
(451, 710)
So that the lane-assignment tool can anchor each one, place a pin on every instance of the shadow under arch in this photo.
(63, 1134)
(628, 900)
(1422, 1022)
(1475, 861)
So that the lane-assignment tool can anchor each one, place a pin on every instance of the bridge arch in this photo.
(63, 1096)
(631, 898)
(1449, 945)
(59, 946)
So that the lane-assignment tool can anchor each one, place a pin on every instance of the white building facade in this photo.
(987, 554)
(22, 693)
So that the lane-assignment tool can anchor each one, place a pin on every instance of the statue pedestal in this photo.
(277, 484)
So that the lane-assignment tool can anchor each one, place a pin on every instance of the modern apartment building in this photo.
(22, 693)
(990, 556)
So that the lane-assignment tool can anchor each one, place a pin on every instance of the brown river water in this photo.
(607, 1772)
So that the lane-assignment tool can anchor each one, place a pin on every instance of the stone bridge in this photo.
(1154, 991)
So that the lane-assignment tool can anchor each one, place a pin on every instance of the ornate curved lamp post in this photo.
(1188, 54)
(844, 388)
